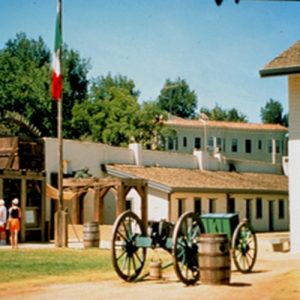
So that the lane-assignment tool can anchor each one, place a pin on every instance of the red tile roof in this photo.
(288, 62)
(223, 124)
(213, 181)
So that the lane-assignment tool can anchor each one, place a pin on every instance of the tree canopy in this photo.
(177, 98)
(104, 109)
(272, 113)
(112, 114)
(219, 114)
(25, 83)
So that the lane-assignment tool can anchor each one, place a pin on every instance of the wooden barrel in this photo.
(91, 235)
(214, 259)
(155, 270)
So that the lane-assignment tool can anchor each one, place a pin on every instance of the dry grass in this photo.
(32, 268)
(35, 267)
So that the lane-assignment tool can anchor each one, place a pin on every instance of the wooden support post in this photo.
(43, 208)
(61, 232)
(23, 209)
(144, 206)
(120, 200)
(97, 209)
(1, 187)
(75, 212)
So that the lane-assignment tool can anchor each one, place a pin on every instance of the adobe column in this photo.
(294, 161)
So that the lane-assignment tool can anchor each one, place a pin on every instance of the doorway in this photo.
(271, 215)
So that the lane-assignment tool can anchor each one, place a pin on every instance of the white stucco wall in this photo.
(227, 134)
(169, 159)
(158, 204)
(259, 224)
(294, 161)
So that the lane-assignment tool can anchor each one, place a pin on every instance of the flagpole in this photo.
(61, 226)
(59, 127)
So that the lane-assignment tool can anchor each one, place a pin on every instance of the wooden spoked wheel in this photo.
(244, 247)
(128, 258)
(185, 248)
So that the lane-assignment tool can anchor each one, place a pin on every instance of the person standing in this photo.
(3, 216)
(14, 215)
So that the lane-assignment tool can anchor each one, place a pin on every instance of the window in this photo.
(248, 209)
(211, 205)
(219, 143)
(259, 208)
(176, 143)
(184, 141)
(128, 204)
(278, 147)
(248, 146)
(281, 211)
(180, 207)
(170, 143)
(259, 145)
(197, 205)
(197, 143)
(211, 142)
(270, 146)
(230, 205)
(234, 145)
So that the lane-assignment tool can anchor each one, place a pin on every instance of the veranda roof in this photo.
(206, 181)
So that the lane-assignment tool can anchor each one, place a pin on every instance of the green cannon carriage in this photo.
(130, 242)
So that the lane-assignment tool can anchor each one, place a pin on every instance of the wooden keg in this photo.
(214, 259)
(91, 235)
(155, 270)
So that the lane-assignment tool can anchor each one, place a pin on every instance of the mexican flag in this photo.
(56, 64)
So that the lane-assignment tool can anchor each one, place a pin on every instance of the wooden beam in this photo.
(75, 212)
(23, 209)
(144, 206)
(120, 207)
(96, 201)
(43, 209)
(1, 187)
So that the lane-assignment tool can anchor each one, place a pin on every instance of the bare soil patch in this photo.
(276, 276)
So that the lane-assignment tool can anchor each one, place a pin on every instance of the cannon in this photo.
(130, 241)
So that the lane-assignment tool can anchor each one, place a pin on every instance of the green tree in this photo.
(219, 114)
(75, 87)
(25, 78)
(111, 112)
(272, 113)
(149, 125)
(177, 99)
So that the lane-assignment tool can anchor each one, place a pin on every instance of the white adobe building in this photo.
(177, 182)
(288, 64)
(237, 142)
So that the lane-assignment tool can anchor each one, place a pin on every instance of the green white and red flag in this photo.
(56, 63)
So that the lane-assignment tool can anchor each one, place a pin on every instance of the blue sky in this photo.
(217, 50)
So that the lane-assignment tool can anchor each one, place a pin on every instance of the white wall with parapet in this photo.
(169, 159)
(294, 161)
(80, 154)
(255, 166)
(210, 161)
(137, 153)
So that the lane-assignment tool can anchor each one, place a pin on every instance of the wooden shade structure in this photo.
(101, 186)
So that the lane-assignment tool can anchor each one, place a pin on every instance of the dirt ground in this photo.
(276, 275)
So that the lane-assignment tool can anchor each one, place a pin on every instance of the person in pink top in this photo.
(3, 216)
